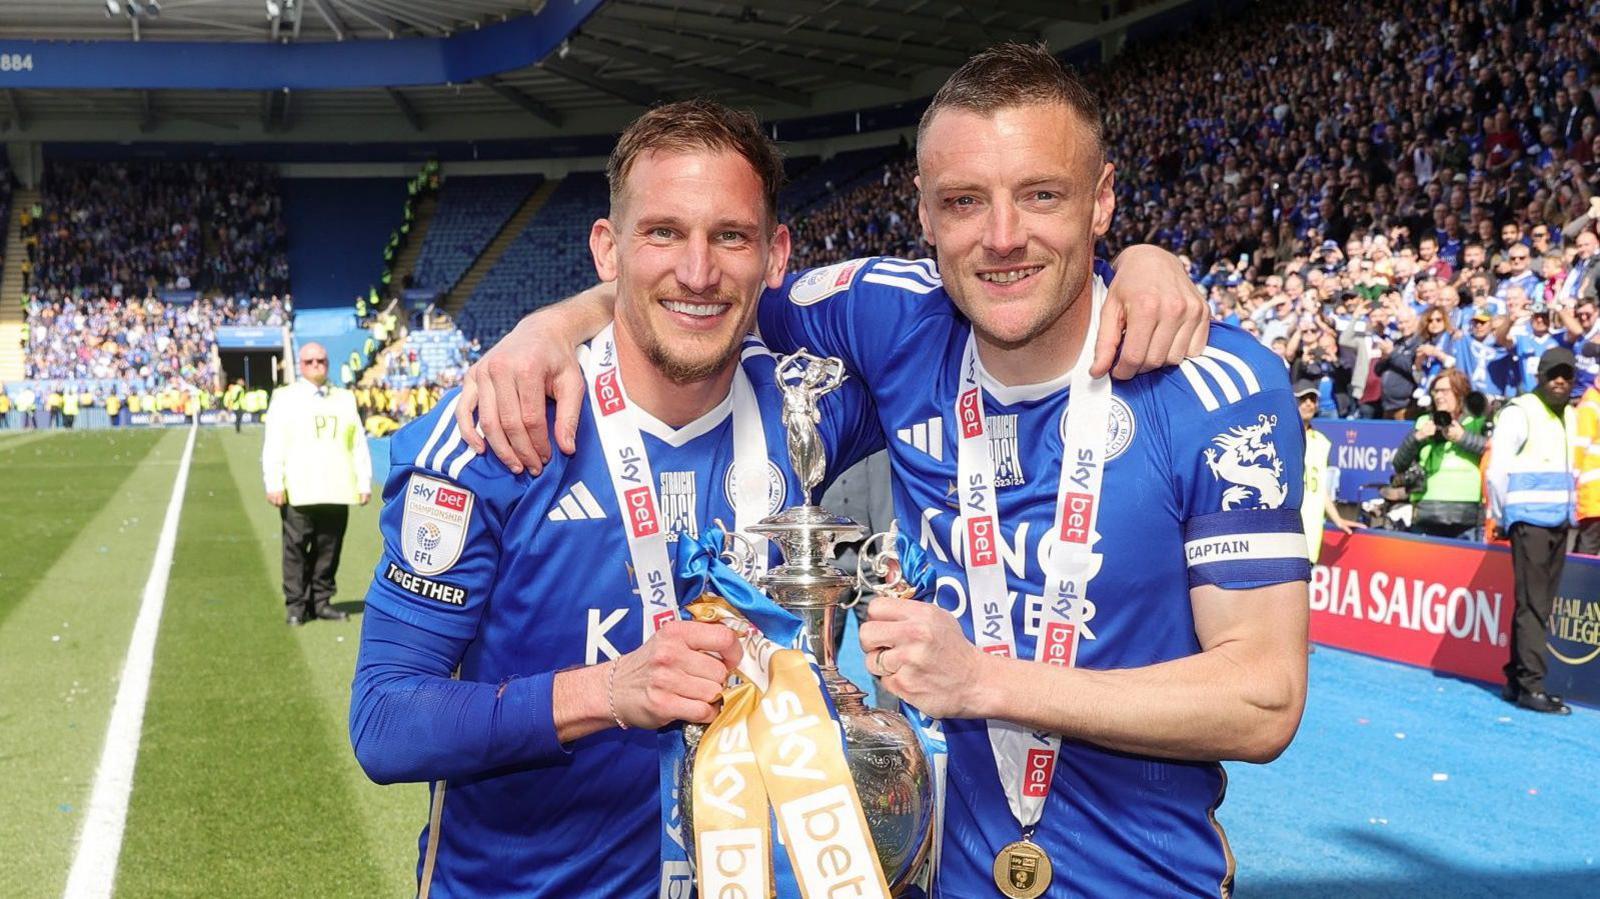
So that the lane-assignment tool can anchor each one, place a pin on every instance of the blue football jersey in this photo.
(1203, 486)
(507, 579)
(1530, 347)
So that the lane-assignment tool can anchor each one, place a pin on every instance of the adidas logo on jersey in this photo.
(926, 436)
(1219, 378)
(578, 505)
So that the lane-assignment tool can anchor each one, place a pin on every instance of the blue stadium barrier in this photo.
(468, 54)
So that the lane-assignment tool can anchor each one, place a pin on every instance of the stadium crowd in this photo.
(133, 229)
(1382, 194)
(1401, 201)
(140, 342)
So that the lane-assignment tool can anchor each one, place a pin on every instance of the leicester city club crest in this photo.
(777, 488)
(1120, 427)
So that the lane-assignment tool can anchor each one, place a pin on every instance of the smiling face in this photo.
(690, 246)
(1013, 200)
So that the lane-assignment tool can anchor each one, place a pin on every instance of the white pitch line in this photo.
(94, 866)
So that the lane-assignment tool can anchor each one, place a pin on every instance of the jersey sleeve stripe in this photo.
(1207, 398)
(1230, 391)
(910, 284)
(1249, 377)
(449, 447)
(1248, 574)
(466, 455)
(1243, 521)
(1253, 547)
(921, 268)
(445, 417)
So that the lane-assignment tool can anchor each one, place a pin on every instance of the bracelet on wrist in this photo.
(611, 696)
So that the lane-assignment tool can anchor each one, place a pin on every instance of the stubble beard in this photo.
(1038, 327)
(684, 371)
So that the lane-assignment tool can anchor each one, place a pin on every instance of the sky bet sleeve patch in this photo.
(426, 588)
(435, 525)
(820, 283)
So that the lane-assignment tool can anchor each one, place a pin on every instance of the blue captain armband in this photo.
(1244, 549)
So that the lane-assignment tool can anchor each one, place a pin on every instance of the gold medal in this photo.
(1022, 870)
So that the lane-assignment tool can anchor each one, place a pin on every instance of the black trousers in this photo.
(1589, 536)
(312, 539)
(1538, 554)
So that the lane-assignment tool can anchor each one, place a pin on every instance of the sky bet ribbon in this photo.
(774, 754)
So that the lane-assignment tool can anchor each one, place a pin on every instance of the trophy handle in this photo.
(737, 551)
(878, 565)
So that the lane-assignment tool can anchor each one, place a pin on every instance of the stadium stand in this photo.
(547, 261)
(470, 213)
(433, 357)
(813, 181)
(1300, 203)
(337, 230)
(127, 229)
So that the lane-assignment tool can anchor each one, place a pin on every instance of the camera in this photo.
(1412, 480)
(1442, 421)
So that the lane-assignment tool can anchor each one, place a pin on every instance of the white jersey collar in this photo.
(674, 437)
(1010, 395)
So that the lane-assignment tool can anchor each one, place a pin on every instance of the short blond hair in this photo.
(699, 124)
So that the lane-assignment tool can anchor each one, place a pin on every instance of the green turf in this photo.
(80, 530)
(55, 482)
(246, 785)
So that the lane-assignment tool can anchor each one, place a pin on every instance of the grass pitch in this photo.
(245, 783)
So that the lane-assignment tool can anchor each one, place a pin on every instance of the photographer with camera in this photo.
(1438, 461)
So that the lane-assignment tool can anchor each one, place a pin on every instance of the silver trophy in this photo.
(892, 774)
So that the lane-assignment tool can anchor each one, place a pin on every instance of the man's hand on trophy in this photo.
(920, 654)
(508, 386)
(677, 675)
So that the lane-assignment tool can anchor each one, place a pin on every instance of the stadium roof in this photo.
(786, 58)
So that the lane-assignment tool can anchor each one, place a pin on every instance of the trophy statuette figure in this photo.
(886, 761)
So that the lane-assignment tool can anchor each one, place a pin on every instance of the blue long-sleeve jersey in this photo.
(489, 584)
(1202, 487)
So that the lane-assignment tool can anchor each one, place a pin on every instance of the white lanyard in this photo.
(634, 483)
(1025, 759)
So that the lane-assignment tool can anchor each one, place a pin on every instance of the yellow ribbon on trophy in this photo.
(775, 747)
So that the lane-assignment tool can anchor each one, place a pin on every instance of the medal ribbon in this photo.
(1025, 759)
(634, 483)
(776, 748)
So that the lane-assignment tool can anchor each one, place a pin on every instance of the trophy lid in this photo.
(807, 534)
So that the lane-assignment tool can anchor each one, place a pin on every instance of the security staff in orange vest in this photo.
(1586, 462)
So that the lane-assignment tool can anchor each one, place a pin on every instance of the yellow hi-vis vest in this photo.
(1313, 508)
(1586, 454)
